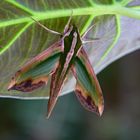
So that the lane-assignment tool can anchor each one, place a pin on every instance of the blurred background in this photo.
(120, 82)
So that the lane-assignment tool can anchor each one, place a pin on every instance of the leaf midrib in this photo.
(94, 10)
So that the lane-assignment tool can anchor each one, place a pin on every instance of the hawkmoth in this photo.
(65, 55)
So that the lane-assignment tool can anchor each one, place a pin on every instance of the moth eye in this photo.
(61, 36)
(70, 28)
(18, 71)
(67, 29)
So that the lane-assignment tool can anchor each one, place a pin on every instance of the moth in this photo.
(56, 62)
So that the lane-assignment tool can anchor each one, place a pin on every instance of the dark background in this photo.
(120, 82)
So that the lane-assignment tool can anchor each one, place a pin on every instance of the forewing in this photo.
(72, 44)
(87, 90)
(35, 73)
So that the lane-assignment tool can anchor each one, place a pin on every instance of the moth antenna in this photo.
(68, 23)
(70, 18)
(88, 30)
(47, 29)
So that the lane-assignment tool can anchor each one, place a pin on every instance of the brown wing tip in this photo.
(49, 110)
(48, 114)
(100, 110)
(11, 84)
(101, 105)
(9, 88)
(89, 104)
(51, 104)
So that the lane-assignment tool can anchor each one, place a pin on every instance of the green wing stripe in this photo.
(87, 89)
(35, 73)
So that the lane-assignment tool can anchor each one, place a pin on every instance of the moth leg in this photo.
(92, 26)
(90, 41)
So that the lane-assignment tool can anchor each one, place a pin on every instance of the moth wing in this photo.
(34, 74)
(87, 89)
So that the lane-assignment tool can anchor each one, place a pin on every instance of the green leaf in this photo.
(21, 39)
